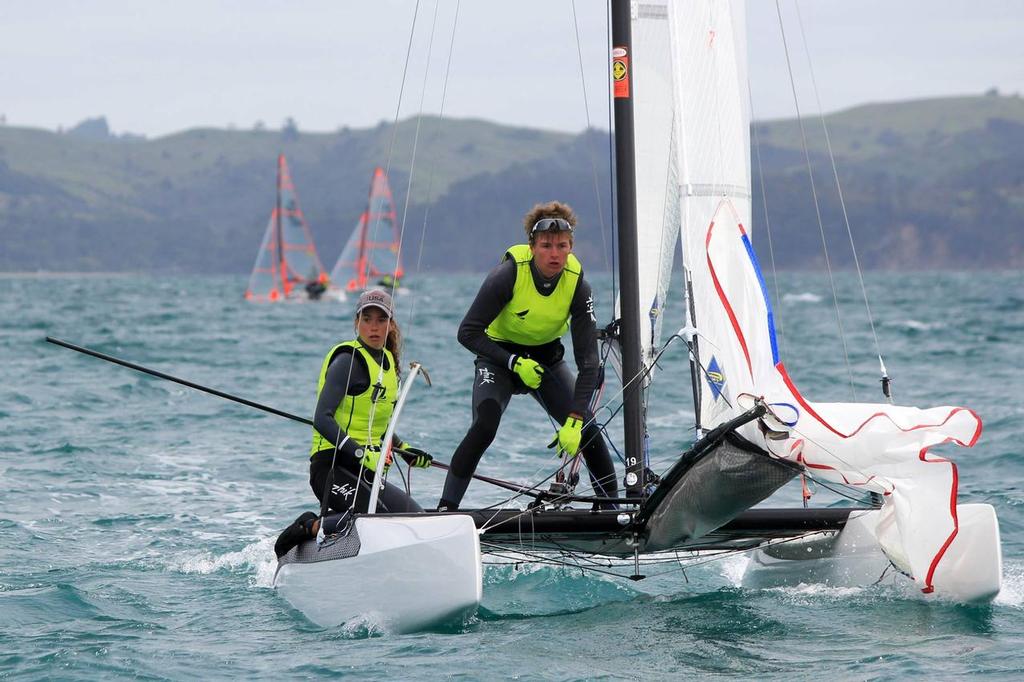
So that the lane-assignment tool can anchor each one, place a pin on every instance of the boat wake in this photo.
(257, 557)
(1012, 592)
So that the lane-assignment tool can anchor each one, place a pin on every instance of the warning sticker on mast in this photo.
(620, 72)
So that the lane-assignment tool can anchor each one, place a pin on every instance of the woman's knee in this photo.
(485, 421)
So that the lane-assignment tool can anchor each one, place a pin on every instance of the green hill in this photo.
(933, 183)
(929, 183)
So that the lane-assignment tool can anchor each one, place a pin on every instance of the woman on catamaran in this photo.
(356, 394)
(514, 326)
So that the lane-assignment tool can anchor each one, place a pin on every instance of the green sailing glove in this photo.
(371, 458)
(569, 436)
(529, 371)
(415, 457)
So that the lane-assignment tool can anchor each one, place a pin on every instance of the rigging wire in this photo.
(380, 374)
(817, 206)
(437, 136)
(829, 485)
(603, 227)
(569, 558)
(842, 203)
(880, 481)
(586, 136)
(867, 478)
(415, 149)
(401, 93)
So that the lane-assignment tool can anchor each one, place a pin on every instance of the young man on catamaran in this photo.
(514, 326)
(356, 393)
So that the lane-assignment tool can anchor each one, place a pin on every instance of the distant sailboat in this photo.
(371, 257)
(287, 266)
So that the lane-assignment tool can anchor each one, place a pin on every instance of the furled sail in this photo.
(882, 448)
(657, 180)
(287, 262)
(371, 254)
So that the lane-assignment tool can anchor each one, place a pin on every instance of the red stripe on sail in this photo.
(928, 586)
(810, 410)
(725, 301)
(922, 455)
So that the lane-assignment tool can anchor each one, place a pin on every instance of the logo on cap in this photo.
(377, 299)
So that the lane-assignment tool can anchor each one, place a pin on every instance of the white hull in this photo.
(409, 573)
(970, 569)
(335, 294)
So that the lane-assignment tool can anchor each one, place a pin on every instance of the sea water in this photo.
(137, 516)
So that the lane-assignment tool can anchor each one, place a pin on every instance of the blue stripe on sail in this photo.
(764, 292)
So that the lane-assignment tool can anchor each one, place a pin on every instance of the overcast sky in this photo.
(159, 67)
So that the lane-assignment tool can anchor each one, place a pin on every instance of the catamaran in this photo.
(372, 255)
(287, 267)
(682, 167)
(683, 180)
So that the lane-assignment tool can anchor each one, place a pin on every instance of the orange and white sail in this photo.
(287, 261)
(372, 253)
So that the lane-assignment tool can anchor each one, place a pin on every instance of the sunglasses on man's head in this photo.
(551, 225)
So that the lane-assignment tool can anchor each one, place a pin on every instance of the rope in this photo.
(415, 148)
(380, 374)
(590, 146)
(572, 559)
(842, 202)
(430, 176)
(817, 206)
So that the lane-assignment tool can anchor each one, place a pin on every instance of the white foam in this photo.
(734, 567)
(365, 625)
(1012, 593)
(815, 593)
(259, 556)
(918, 325)
(805, 297)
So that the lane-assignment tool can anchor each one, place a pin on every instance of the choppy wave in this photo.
(256, 560)
(138, 518)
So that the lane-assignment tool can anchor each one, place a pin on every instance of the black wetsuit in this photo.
(494, 381)
(314, 290)
(346, 486)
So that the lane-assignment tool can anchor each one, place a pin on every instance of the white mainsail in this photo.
(881, 447)
(657, 180)
(714, 162)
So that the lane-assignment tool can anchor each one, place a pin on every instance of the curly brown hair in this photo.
(552, 209)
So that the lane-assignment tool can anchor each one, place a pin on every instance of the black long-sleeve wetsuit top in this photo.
(496, 292)
(346, 375)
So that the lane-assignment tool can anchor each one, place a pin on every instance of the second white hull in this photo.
(407, 573)
(969, 571)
